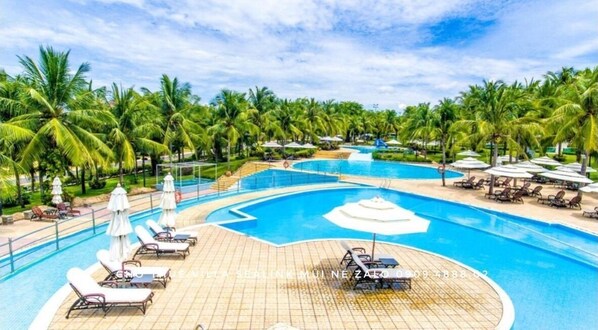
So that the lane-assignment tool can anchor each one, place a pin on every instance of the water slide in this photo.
(380, 143)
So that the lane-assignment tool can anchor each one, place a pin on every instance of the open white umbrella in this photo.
(591, 188)
(309, 146)
(530, 167)
(509, 171)
(336, 139)
(56, 191)
(566, 175)
(545, 161)
(326, 139)
(377, 216)
(469, 163)
(119, 227)
(271, 145)
(468, 153)
(502, 159)
(293, 145)
(168, 203)
(393, 142)
(577, 168)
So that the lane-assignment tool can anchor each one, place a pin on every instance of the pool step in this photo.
(225, 182)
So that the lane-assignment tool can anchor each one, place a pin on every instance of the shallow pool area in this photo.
(549, 271)
(375, 168)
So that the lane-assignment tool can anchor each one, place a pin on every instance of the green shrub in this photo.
(97, 184)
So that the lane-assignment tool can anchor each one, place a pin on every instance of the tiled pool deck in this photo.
(231, 281)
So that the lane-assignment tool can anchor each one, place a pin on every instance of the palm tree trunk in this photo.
(41, 173)
(494, 158)
(18, 183)
(559, 149)
(443, 160)
(228, 154)
(120, 171)
(83, 180)
(32, 173)
(143, 168)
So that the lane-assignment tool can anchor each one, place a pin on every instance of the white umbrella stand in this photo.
(119, 227)
(56, 191)
(377, 216)
(168, 203)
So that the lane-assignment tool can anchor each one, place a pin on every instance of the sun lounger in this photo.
(476, 186)
(535, 193)
(41, 215)
(497, 193)
(63, 209)
(515, 198)
(150, 246)
(504, 183)
(548, 200)
(130, 269)
(164, 235)
(381, 276)
(591, 214)
(464, 182)
(361, 253)
(575, 202)
(92, 295)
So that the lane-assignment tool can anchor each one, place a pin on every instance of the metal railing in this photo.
(25, 250)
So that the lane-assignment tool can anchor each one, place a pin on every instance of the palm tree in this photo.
(261, 102)
(138, 122)
(443, 117)
(493, 106)
(56, 107)
(418, 124)
(232, 121)
(579, 113)
(177, 106)
(286, 121)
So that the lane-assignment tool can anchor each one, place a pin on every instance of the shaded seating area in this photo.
(129, 269)
(43, 215)
(149, 245)
(171, 235)
(574, 202)
(360, 252)
(104, 295)
(536, 192)
(591, 214)
(498, 193)
(503, 183)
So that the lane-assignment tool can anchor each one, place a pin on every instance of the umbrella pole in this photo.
(373, 247)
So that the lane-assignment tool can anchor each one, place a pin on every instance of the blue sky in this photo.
(385, 52)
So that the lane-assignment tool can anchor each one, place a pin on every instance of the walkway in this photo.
(231, 281)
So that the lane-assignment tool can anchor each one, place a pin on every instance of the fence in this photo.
(20, 252)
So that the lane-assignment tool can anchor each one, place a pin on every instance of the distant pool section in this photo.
(275, 178)
(381, 169)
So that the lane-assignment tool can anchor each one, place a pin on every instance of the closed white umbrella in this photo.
(530, 167)
(271, 145)
(377, 216)
(468, 153)
(168, 203)
(566, 175)
(393, 142)
(545, 161)
(119, 227)
(56, 191)
(509, 171)
(576, 167)
(591, 188)
(293, 145)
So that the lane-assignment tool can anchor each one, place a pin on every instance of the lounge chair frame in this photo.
(151, 248)
(591, 214)
(41, 215)
(98, 301)
(127, 275)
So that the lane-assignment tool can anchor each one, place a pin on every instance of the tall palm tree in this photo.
(493, 106)
(418, 124)
(177, 106)
(579, 113)
(232, 121)
(138, 122)
(56, 107)
(261, 102)
(443, 118)
(286, 121)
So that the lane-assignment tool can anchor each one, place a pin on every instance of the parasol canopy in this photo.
(56, 191)
(119, 227)
(168, 203)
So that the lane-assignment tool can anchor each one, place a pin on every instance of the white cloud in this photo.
(328, 49)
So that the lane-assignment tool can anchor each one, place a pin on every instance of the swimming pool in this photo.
(374, 168)
(550, 272)
(276, 178)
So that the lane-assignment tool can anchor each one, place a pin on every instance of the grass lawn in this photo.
(129, 183)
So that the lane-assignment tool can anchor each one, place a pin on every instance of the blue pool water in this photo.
(550, 272)
(374, 168)
(191, 182)
(275, 178)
